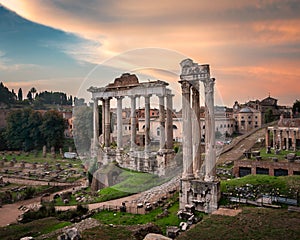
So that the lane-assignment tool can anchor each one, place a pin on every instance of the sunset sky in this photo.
(253, 47)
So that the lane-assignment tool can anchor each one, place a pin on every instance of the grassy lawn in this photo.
(119, 218)
(132, 182)
(280, 156)
(267, 183)
(34, 228)
(252, 223)
(108, 233)
(32, 158)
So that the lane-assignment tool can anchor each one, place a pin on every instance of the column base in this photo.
(204, 196)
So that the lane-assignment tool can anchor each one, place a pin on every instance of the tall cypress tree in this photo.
(20, 95)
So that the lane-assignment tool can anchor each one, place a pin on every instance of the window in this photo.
(158, 131)
(175, 127)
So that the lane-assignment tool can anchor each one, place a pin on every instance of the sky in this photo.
(253, 47)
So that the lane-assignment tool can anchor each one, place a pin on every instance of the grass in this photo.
(32, 158)
(120, 218)
(280, 156)
(252, 223)
(104, 232)
(283, 183)
(34, 228)
(131, 182)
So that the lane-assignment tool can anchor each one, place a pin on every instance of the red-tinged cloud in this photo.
(253, 47)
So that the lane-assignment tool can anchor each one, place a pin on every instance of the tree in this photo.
(20, 95)
(296, 107)
(33, 92)
(23, 130)
(6, 96)
(53, 128)
(14, 94)
(29, 96)
(269, 117)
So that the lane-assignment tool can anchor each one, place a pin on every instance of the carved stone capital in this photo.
(185, 87)
(209, 85)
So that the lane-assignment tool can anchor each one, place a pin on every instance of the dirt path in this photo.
(10, 212)
(239, 148)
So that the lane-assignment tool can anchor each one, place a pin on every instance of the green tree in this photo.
(269, 117)
(3, 143)
(33, 92)
(14, 95)
(29, 96)
(53, 128)
(22, 130)
(20, 95)
(296, 107)
(6, 96)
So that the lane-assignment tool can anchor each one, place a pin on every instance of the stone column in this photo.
(280, 139)
(95, 123)
(267, 138)
(103, 119)
(162, 139)
(133, 123)
(295, 141)
(187, 131)
(147, 122)
(210, 156)
(196, 129)
(119, 123)
(274, 138)
(169, 121)
(107, 123)
(287, 139)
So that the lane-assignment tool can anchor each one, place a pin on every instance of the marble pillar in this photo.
(119, 123)
(103, 120)
(147, 123)
(287, 139)
(280, 139)
(107, 123)
(162, 139)
(187, 131)
(294, 141)
(210, 157)
(267, 138)
(169, 122)
(133, 123)
(95, 123)
(274, 138)
(196, 130)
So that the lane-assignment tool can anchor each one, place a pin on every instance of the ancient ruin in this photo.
(145, 160)
(198, 185)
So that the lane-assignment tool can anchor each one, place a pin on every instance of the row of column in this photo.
(166, 142)
(192, 161)
(278, 138)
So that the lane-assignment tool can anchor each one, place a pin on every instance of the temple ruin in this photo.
(199, 186)
(145, 160)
